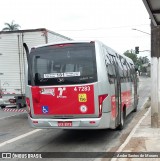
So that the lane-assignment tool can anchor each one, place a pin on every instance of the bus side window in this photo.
(120, 69)
(132, 72)
(111, 70)
(109, 67)
(129, 71)
(125, 69)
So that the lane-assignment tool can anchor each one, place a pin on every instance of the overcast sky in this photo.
(110, 21)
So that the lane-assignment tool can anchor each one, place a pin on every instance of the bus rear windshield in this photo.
(64, 64)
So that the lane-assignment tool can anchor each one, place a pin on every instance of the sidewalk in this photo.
(142, 138)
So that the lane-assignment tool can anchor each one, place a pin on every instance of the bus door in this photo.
(117, 85)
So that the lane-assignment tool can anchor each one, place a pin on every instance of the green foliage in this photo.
(131, 55)
(11, 27)
(140, 62)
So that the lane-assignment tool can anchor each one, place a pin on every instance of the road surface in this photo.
(17, 136)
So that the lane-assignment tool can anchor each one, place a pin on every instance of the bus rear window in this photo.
(72, 64)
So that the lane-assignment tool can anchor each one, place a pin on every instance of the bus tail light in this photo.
(61, 45)
(28, 105)
(36, 94)
(101, 99)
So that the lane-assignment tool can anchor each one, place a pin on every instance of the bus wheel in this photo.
(136, 104)
(135, 109)
(121, 125)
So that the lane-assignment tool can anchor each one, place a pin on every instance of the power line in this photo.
(141, 31)
(104, 28)
(110, 37)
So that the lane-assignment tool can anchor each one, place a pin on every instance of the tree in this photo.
(131, 55)
(143, 60)
(141, 63)
(11, 27)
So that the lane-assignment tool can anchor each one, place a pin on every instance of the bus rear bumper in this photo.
(78, 123)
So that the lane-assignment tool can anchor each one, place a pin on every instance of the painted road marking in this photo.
(19, 137)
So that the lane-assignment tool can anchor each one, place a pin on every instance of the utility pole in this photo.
(155, 75)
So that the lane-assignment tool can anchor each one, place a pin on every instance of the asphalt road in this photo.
(17, 136)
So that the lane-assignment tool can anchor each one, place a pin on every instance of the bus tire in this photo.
(135, 109)
(136, 104)
(122, 119)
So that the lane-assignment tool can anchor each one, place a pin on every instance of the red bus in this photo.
(79, 85)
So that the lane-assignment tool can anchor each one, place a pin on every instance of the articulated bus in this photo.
(79, 85)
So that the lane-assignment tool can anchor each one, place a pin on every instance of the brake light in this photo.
(61, 45)
(36, 94)
(101, 99)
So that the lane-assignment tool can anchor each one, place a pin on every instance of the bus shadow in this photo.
(84, 137)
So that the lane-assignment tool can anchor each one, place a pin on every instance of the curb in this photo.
(131, 133)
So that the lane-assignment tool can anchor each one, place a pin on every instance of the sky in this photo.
(110, 21)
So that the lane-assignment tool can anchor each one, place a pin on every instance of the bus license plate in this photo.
(65, 124)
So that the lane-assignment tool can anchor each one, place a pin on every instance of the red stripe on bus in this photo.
(126, 100)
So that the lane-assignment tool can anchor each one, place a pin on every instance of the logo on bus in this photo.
(48, 91)
(61, 90)
(82, 97)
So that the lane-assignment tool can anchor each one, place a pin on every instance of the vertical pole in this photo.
(0, 89)
(20, 68)
(155, 75)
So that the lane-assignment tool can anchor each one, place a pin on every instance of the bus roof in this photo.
(82, 41)
(63, 42)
